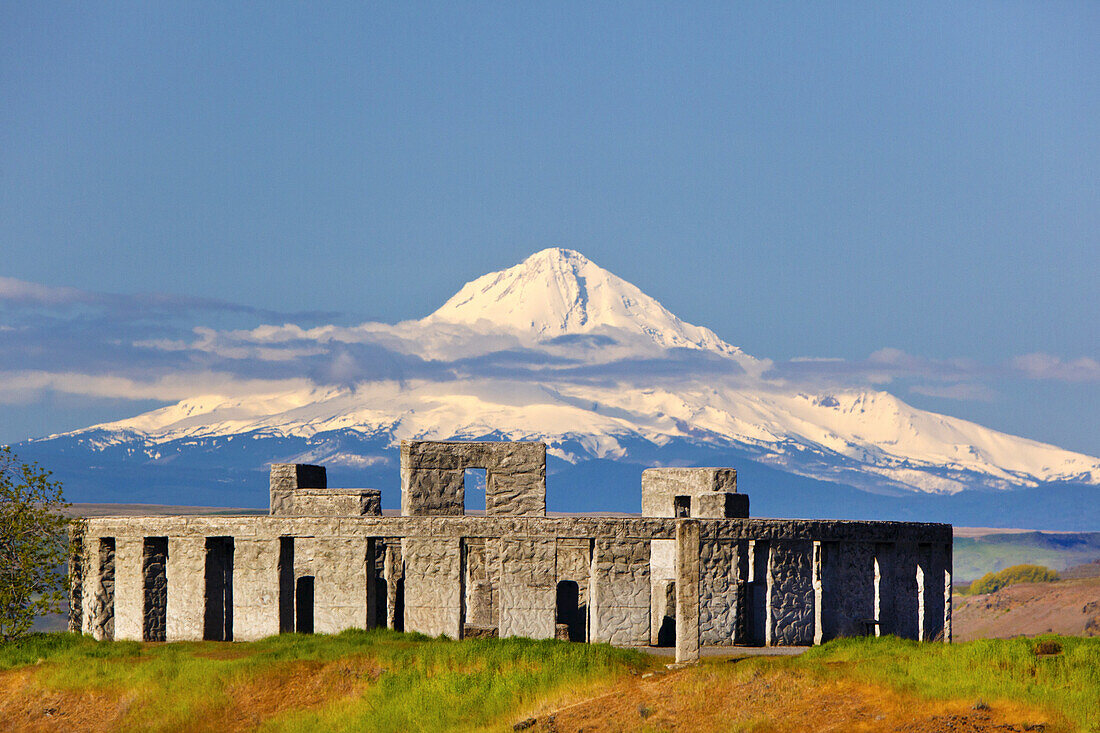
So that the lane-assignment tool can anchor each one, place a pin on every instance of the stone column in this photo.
(847, 594)
(186, 588)
(129, 588)
(255, 588)
(433, 586)
(527, 587)
(619, 612)
(340, 566)
(719, 597)
(790, 612)
(394, 569)
(687, 591)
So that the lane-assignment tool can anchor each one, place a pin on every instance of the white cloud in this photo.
(27, 386)
(966, 391)
(1047, 366)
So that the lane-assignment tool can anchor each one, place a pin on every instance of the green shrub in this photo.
(993, 582)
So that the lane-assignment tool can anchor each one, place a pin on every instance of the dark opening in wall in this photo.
(474, 481)
(218, 615)
(666, 634)
(155, 583)
(399, 605)
(103, 605)
(304, 605)
(569, 610)
(682, 505)
(286, 585)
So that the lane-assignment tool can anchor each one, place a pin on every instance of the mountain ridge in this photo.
(558, 349)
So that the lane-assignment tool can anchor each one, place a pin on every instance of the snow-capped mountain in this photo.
(558, 349)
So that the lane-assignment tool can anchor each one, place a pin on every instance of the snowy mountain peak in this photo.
(557, 292)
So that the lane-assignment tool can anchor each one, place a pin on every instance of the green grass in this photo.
(420, 683)
(1067, 682)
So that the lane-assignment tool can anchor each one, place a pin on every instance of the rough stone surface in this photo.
(187, 588)
(433, 586)
(660, 486)
(256, 588)
(846, 600)
(129, 595)
(433, 473)
(155, 588)
(100, 615)
(719, 592)
(790, 593)
(619, 612)
(286, 478)
(528, 580)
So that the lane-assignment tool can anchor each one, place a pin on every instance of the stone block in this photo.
(285, 478)
(661, 486)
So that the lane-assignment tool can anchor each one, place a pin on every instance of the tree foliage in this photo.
(993, 582)
(34, 544)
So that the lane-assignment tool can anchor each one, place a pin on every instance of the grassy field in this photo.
(384, 681)
(374, 680)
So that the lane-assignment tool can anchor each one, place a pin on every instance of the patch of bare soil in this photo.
(1065, 607)
(721, 697)
(24, 707)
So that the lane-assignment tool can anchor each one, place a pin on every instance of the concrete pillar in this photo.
(932, 581)
(340, 566)
(394, 572)
(719, 592)
(186, 588)
(790, 611)
(129, 588)
(527, 587)
(433, 586)
(620, 590)
(255, 588)
(845, 581)
(687, 591)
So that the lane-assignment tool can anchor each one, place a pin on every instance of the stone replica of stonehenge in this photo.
(692, 571)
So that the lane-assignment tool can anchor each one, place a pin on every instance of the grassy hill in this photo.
(384, 681)
(976, 556)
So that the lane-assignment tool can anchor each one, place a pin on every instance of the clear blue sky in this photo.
(806, 181)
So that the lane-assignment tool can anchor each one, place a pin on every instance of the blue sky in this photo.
(808, 182)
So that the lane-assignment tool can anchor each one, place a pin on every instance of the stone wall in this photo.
(622, 584)
(433, 473)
